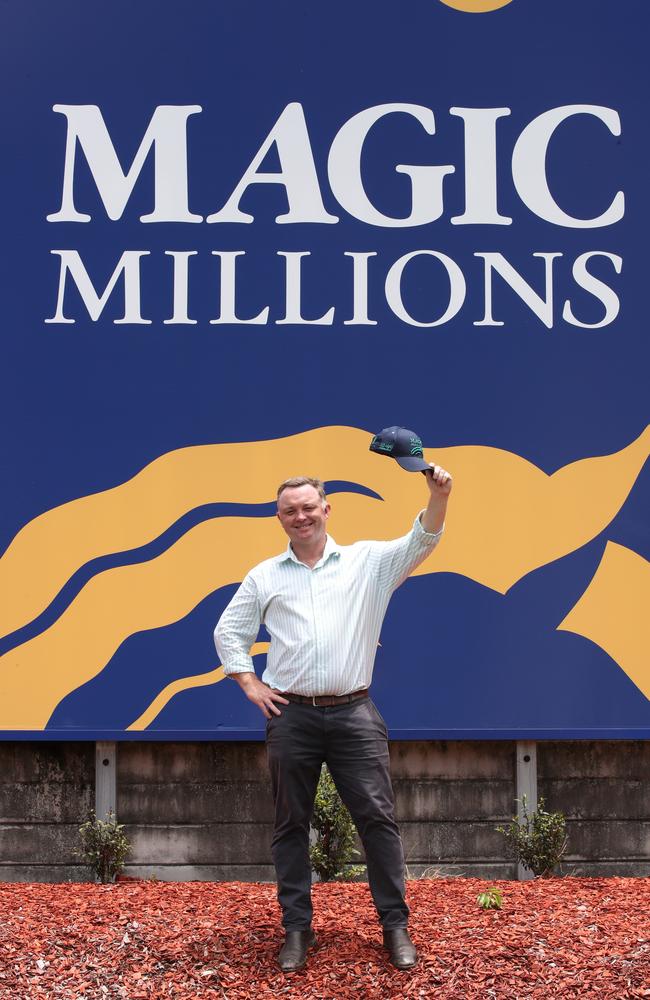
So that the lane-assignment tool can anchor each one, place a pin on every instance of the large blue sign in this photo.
(240, 238)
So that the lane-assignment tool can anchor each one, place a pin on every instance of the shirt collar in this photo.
(331, 549)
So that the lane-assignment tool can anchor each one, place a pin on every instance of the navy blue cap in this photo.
(403, 445)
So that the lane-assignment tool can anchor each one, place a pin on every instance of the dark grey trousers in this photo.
(351, 739)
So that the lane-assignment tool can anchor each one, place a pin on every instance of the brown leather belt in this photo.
(325, 700)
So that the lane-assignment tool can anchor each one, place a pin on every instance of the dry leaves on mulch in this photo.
(587, 938)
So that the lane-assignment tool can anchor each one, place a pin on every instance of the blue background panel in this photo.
(87, 406)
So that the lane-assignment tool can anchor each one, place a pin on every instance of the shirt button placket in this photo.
(316, 665)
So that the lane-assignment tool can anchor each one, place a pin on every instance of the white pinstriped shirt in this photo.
(324, 622)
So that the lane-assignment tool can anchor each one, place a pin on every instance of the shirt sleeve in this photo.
(396, 560)
(237, 629)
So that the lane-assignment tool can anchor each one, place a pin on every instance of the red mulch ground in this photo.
(553, 938)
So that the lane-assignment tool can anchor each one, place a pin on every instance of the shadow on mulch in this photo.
(586, 938)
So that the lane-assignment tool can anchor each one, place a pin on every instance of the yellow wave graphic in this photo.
(508, 516)
(185, 684)
(476, 6)
(112, 606)
(506, 519)
(614, 612)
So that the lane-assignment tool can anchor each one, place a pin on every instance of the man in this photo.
(323, 605)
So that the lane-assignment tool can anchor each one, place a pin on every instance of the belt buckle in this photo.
(313, 700)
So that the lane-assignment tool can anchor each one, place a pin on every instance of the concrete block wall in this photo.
(204, 811)
(449, 797)
(46, 792)
(196, 810)
(603, 789)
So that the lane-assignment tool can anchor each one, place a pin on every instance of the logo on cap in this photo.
(416, 446)
(403, 445)
(378, 445)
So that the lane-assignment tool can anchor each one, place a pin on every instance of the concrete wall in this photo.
(196, 810)
(46, 791)
(603, 789)
(449, 798)
(203, 810)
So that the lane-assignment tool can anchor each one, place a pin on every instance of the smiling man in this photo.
(323, 605)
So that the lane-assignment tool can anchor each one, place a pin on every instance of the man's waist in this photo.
(325, 700)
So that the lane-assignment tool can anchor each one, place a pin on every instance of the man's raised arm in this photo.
(439, 482)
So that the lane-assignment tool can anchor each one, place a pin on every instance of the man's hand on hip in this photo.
(260, 694)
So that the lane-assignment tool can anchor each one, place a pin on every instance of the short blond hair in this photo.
(295, 481)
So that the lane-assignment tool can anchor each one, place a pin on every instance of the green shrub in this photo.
(334, 848)
(104, 846)
(538, 840)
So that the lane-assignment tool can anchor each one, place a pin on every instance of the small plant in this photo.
(538, 840)
(104, 846)
(490, 899)
(334, 849)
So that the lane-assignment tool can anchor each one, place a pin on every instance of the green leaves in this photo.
(538, 840)
(334, 849)
(104, 846)
(490, 899)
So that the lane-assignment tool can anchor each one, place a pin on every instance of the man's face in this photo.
(302, 514)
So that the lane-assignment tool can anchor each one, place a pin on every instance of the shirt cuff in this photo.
(421, 531)
(238, 668)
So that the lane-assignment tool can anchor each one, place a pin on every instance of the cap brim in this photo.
(413, 464)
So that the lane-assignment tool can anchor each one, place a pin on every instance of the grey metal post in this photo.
(105, 779)
(526, 785)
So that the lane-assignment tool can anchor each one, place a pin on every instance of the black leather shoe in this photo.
(293, 953)
(401, 950)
